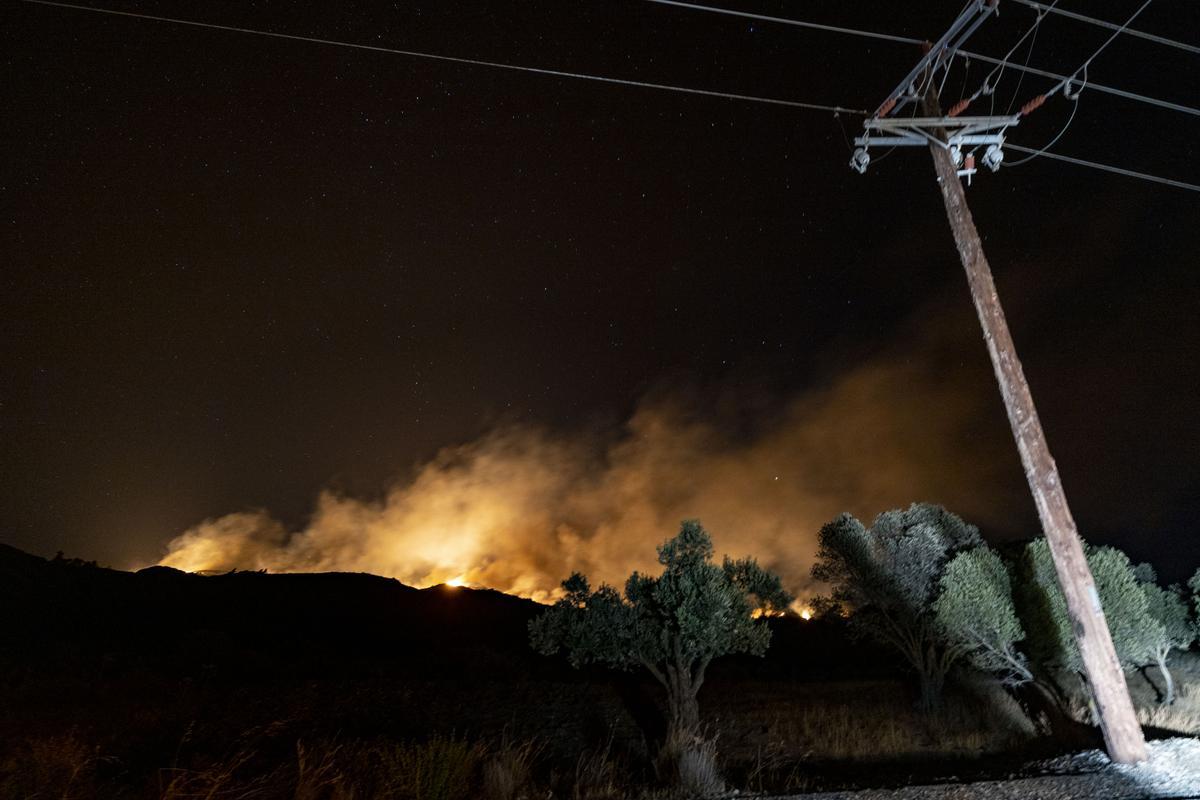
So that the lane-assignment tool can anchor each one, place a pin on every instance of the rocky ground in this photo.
(1173, 771)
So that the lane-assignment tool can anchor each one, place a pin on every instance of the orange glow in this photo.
(521, 508)
(802, 609)
(759, 613)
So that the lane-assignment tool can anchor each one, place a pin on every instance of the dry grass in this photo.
(60, 767)
(775, 737)
(442, 768)
(869, 721)
(687, 763)
(1182, 716)
(597, 775)
(318, 774)
(508, 770)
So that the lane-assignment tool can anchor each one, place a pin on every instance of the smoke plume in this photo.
(522, 507)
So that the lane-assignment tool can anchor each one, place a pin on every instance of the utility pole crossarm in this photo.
(939, 53)
(885, 129)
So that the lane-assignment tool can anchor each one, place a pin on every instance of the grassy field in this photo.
(373, 738)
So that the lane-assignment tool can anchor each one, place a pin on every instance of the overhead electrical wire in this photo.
(459, 60)
(799, 23)
(645, 84)
(1112, 26)
(1065, 87)
(989, 60)
(1042, 150)
(990, 81)
(1037, 26)
(1108, 168)
(1066, 81)
(1098, 87)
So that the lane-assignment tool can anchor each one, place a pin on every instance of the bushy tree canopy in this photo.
(1145, 620)
(888, 575)
(975, 608)
(673, 625)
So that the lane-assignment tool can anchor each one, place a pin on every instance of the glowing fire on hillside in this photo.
(520, 509)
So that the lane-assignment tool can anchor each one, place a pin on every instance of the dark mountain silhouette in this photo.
(306, 622)
(319, 623)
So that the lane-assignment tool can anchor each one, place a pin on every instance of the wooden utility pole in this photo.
(1118, 721)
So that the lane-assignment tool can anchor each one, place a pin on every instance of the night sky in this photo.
(237, 269)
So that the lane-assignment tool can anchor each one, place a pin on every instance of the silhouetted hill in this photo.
(320, 624)
(297, 622)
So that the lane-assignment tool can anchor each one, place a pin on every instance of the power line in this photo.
(1037, 26)
(624, 82)
(1107, 168)
(1083, 67)
(1099, 87)
(1112, 26)
(1030, 31)
(1042, 150)
(1001, 63)
(458, 60)
(795, 22)
(1065, 84)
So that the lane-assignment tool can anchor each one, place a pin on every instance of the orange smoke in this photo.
(521, 508)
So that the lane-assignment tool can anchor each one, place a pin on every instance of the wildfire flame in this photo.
(520, 509)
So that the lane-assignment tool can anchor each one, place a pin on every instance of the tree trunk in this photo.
(1161, 660)
(1044, 706)
(684, 710)
(933, 682)
(931, 671)
(685, 715)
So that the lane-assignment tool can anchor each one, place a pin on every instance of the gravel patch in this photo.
(1173, 771)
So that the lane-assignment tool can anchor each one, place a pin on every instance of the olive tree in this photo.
(672, 625)
(1137, 632)
(887, 576)
(1169, 608)
(975, 610)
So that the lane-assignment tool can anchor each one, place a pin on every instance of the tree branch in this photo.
(655, 671)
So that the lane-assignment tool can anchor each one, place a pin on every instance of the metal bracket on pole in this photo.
(948, 133)
(940, 52)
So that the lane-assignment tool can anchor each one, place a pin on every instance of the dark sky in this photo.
(239, 269)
